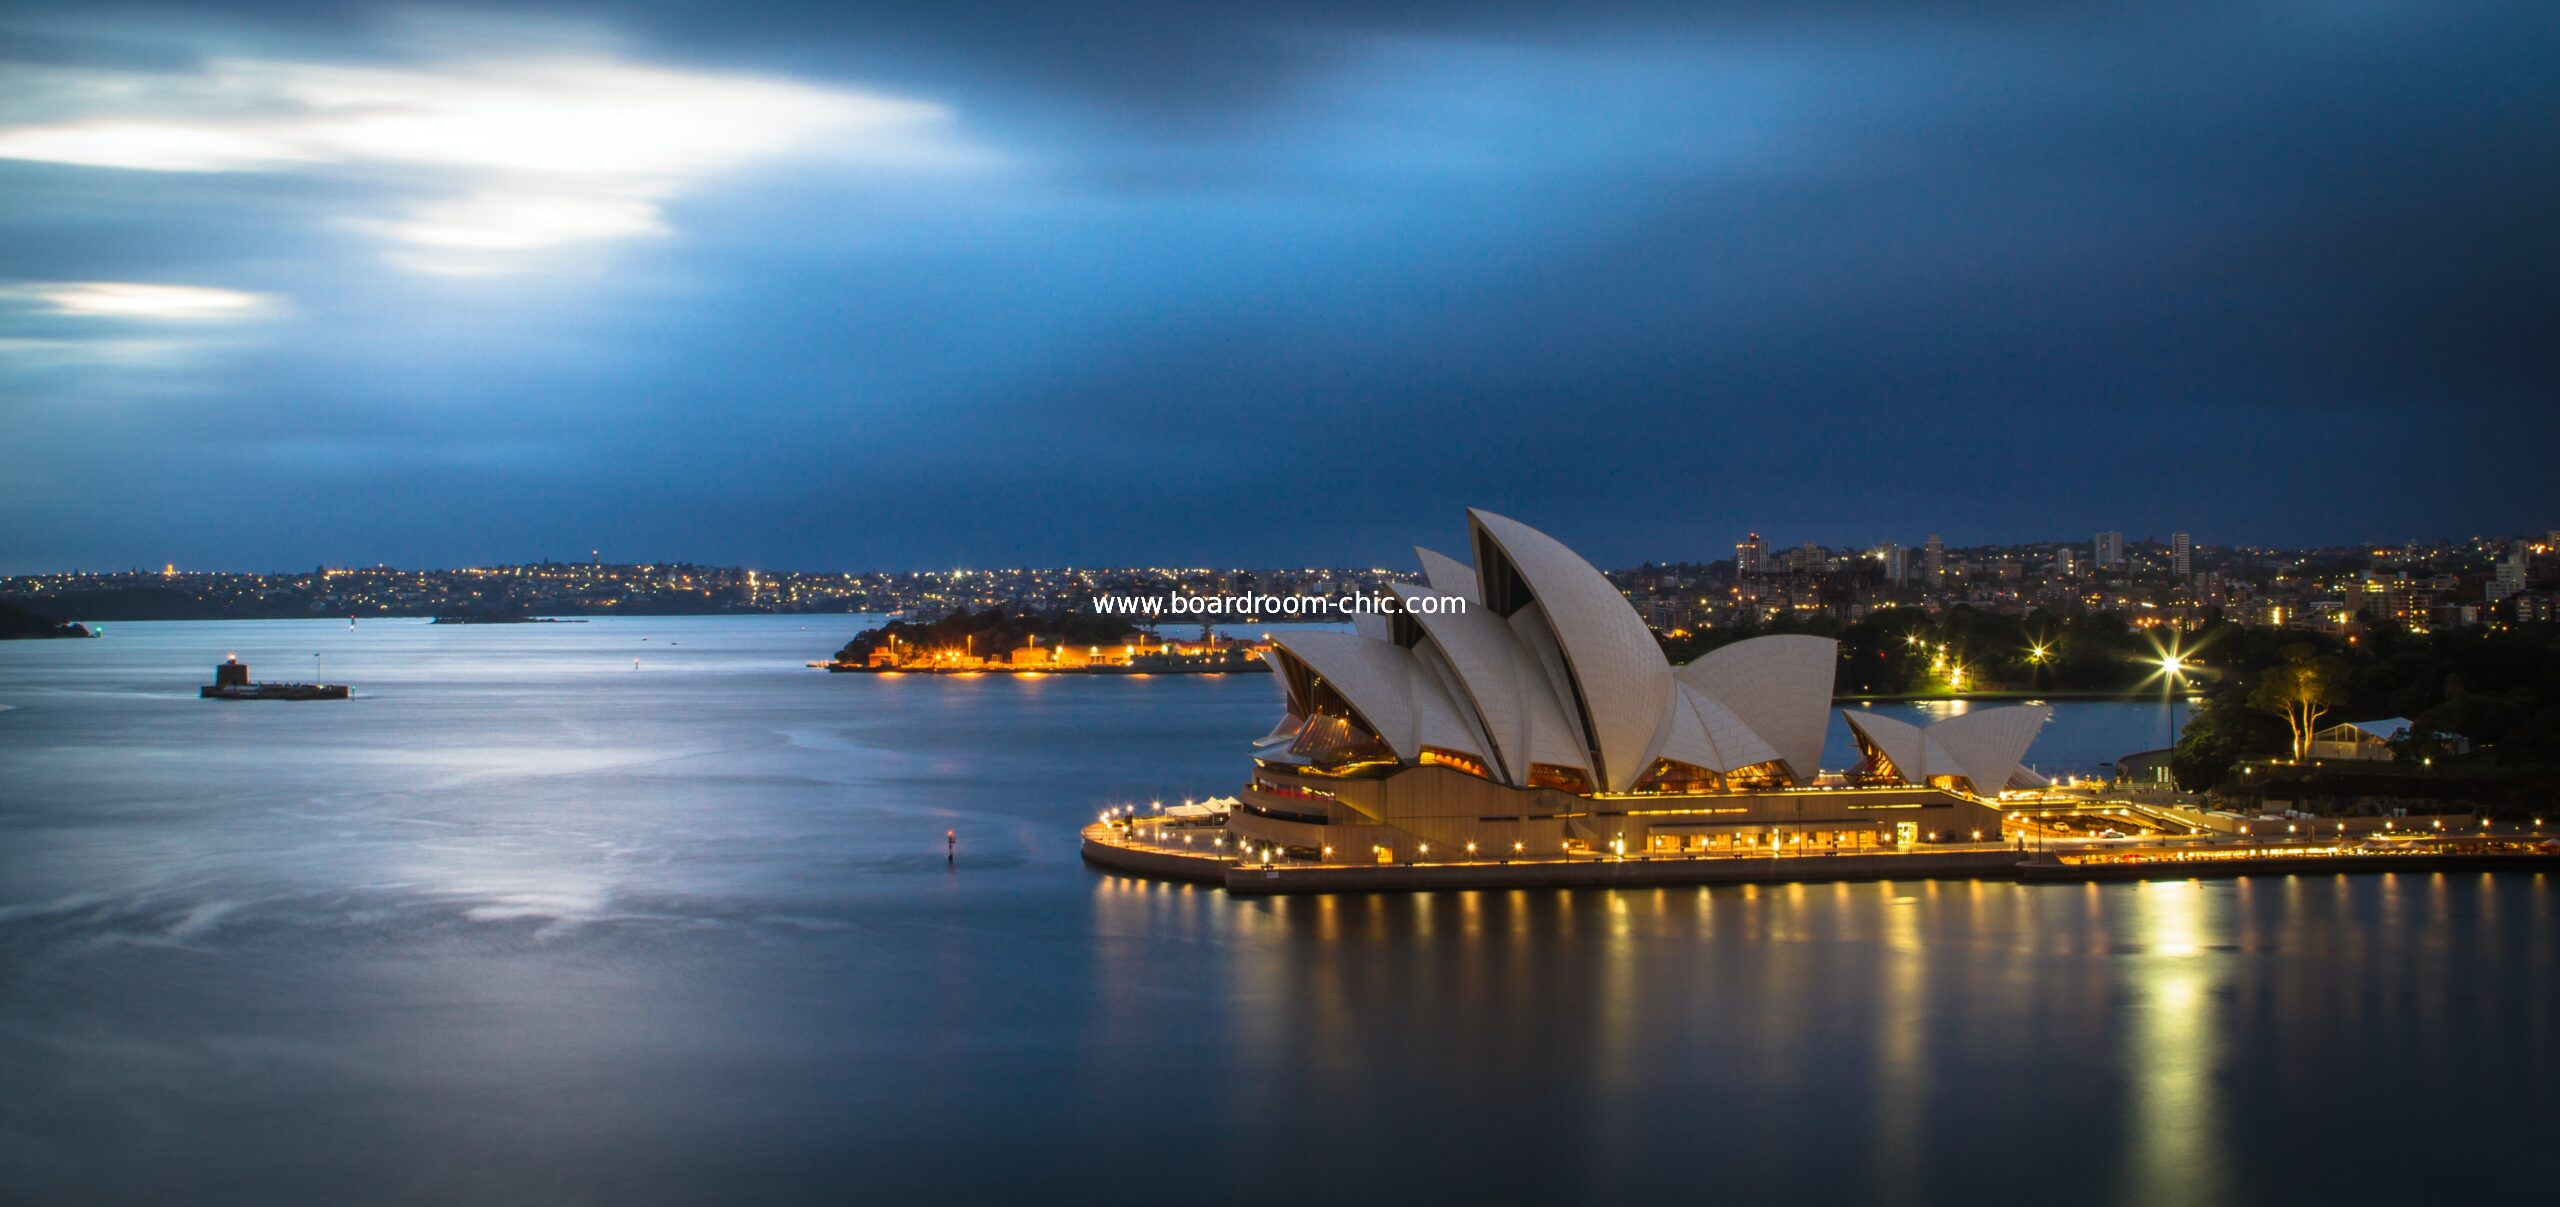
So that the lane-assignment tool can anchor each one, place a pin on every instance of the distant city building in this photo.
(1897, 563)
(2509, 578)
(1933, 559)
(2110, 551)
(2182, 555)
(2066, 562)
(1751, 556)
(1808, 558)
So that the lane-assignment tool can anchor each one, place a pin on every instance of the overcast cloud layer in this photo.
(987, 284)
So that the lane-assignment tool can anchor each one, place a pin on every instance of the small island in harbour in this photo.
(231, 682)
(498, 616)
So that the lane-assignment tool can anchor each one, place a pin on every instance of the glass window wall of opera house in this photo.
(1537, 717)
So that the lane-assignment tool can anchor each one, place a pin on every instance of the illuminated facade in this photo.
(1526, 709)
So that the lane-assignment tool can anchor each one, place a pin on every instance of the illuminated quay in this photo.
(2055, 837)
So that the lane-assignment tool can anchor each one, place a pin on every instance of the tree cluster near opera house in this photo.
(1542, 719)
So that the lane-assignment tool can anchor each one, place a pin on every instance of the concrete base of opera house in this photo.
(1107, 846)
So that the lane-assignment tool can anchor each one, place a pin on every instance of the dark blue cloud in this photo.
(1291, 283)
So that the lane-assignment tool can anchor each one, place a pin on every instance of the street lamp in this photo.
(2172, 666)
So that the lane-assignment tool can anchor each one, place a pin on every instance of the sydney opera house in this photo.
(1521, 707)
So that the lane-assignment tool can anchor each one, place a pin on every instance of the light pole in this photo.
(2171, 667)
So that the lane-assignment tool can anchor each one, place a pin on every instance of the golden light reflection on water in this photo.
(1621, 1031)
(1901, 1039)
(1911, 1023)
(2174, 1116)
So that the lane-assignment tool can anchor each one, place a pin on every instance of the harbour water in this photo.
(643, 911)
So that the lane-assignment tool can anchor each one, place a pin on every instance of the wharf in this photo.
(2215, 860)
(1108, 845)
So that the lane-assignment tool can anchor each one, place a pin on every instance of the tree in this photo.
(2224, 731)
(2301, 689)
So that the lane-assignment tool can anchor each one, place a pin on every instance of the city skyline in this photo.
(993, 285)
(1769, 553)
(2419, 588)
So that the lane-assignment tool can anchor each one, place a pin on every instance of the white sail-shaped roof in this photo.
(1704, 733)
(1537, 644)
(1610, 657)
(1372, 625)
(1990, 743)
(1292, 714)
(1396, 696)
(1427, 654)
(1900, 740)
(1984, 747)
(1446, 575)
(1501, 683)
(1780, 687)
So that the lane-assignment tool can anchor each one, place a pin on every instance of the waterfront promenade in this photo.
(1147, 847)
(1199, 854)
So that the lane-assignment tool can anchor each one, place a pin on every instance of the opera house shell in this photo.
(1518, 705)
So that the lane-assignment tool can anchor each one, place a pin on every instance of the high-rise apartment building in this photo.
(1751, 556)
(2182, 555)
(2511, 571)
(2110, 551)
(1933, 559)
(1897, 563)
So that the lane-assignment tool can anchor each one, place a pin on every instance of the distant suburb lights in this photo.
(520, 155)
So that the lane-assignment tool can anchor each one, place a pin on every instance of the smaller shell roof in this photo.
(1990, 743)
(1396, 696)
(1503, 687)
(1706, 734)
(1447, 575)
(1985, 746)
(1779, 686)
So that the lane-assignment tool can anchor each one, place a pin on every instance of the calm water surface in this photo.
(525, 924)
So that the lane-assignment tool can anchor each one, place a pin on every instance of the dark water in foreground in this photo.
(522, 924)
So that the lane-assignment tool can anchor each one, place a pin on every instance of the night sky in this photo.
(982, 284)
